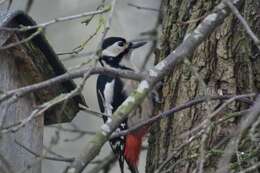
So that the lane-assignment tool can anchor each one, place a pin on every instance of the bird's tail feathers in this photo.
(121, 162)
(133, 148)
(132, 168)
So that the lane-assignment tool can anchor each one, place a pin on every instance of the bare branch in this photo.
(233, 144)
(143, 8)
(162, 69)
(45, 106)
(73, 130)
(40, 27)
(44, 157)
(213, 114)
(185, 143)
(92, 112)
(28, 5)
(107, 27)
(254, 134)
(74, 54)
(9, 3)
(243, 22)
(38, 31)
(70, 75)
(152, 33)
(181, 107)
(57, 20)
(50, 151)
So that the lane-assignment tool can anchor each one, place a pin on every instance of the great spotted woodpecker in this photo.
(111, 92)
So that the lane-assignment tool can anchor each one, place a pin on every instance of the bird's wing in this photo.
(108, 97)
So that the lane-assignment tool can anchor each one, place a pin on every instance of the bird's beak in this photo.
(134, 45)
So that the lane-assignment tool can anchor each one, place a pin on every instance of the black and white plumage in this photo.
(111, 91)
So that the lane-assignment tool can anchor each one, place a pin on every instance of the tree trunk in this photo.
(228, 62)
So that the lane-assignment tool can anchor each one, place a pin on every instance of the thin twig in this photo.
(189, 157)
(81, 47)
(216, 112)
(191, 20)
(143, 8)
(174, 154)
(107, 27)
(93, 147)
(171, 112)
(237, 134)
(44, 157)
(57, 20)
(68, 76)
(74, 54)
(253, 131)
(73, 130)
(92, 112)
(9, 3)
(47, 105)
(243, 22)
(153, 33)
(38, 31)
(28, 5)
(50, 151)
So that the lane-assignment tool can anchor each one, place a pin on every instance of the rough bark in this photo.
(228, 62)
(13, 158)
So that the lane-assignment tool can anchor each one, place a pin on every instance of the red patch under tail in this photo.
(133, 148)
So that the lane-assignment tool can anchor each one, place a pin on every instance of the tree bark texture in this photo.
(228, 62)
(13, 157)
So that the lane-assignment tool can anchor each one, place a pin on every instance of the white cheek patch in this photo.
(113, 50)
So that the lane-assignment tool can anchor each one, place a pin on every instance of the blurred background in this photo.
(127, 22)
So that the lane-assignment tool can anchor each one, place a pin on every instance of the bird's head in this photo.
(114, 49)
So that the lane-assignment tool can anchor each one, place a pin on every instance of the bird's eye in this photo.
(120, 43)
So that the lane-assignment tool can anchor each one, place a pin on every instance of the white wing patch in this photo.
(108, 97)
